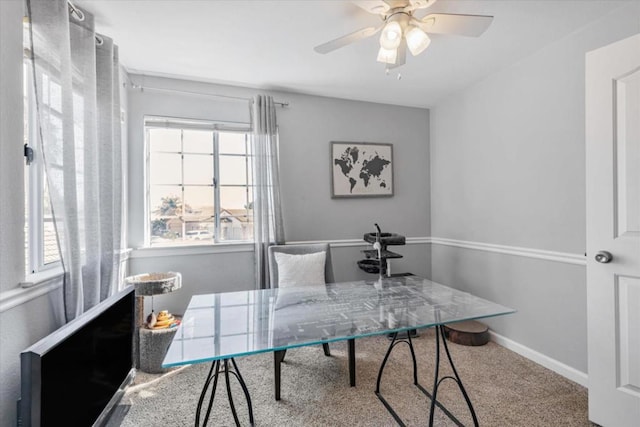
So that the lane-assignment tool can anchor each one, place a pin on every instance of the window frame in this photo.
(35, 188)
(182, 124)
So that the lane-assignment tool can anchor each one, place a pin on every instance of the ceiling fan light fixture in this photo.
(417, 40)
(387, 56)
(391, 35)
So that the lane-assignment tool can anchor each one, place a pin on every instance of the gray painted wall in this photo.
(21, 327)
(306, 126)
(550, 298)
(508, 167)
(201, 274)
(11, 163)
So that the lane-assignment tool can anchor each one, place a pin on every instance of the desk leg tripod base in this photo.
(394, 341)
(436, 381)
(222, 367)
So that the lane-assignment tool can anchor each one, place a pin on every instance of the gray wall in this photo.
(11, 163)
(25, 324)
(508, 168)
(20, 327)
(306, 126)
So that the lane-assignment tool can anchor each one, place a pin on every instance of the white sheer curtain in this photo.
(76, 77)
(267, 213)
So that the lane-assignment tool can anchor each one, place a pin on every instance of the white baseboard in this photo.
(541, 359)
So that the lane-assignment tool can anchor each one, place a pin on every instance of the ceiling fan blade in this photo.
(348, 39)
(462, 25)
(376, 7)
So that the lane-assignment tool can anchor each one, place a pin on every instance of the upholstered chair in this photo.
(277, 275)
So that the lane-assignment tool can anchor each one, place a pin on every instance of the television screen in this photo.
(69, 377)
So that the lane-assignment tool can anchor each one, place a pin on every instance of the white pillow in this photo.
(297, 270)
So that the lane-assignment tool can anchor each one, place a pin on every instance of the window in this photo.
(41, 245)
(199, 184)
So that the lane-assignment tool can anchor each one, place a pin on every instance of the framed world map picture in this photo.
(361, 169)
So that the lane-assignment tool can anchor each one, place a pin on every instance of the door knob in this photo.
(604, 257)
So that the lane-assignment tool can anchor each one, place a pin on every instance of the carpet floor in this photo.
(506, 390)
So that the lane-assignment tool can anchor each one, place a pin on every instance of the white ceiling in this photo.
(269, 44)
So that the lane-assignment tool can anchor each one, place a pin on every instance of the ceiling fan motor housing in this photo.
(398, 15)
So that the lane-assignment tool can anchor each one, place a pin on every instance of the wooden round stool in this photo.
(468, 332)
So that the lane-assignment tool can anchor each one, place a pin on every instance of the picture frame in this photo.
(361, 169)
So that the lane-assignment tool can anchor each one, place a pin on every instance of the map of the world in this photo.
(361, 169)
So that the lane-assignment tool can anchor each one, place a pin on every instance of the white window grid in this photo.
(216, 128)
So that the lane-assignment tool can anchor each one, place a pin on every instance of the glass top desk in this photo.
(220, 327)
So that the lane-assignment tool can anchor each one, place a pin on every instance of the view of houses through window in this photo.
(199, 183)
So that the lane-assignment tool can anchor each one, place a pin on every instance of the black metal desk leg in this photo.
(413, 357)
(457, 379)
(278, 357)
(213, 375)
(233, 407)
(394, 341)
(245, 390)
(325, 348)
(352, 362)
(437, 381)
(434, 389)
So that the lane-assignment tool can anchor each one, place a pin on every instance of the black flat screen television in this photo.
(74, 376)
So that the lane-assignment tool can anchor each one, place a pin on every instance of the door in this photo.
(613, 227)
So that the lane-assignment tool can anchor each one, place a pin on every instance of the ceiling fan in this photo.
(402, 30)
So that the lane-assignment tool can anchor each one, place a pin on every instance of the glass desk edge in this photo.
(331, 340)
